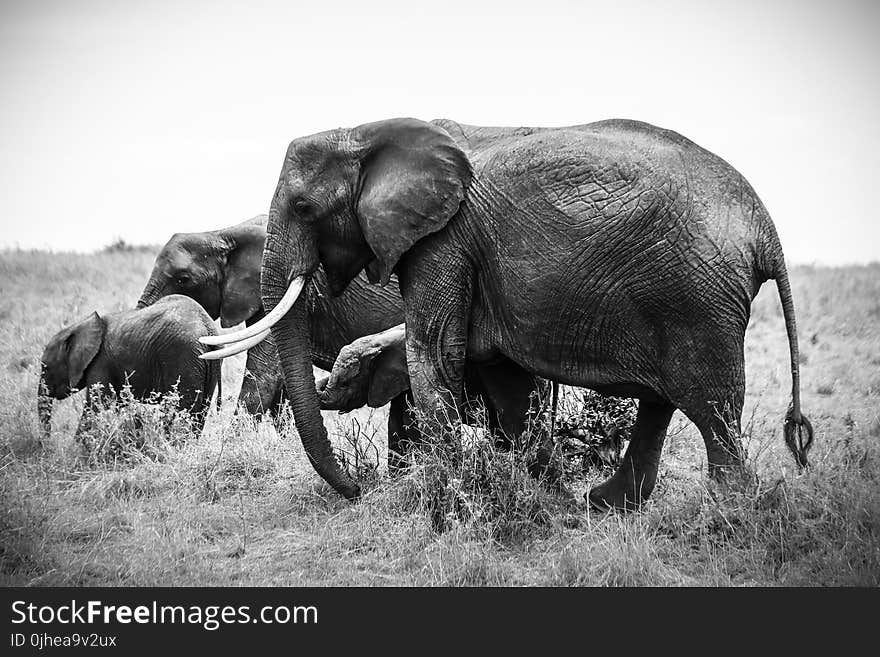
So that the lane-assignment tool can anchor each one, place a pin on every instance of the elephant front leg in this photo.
(436, 368)
(437, 289)
(86, 422)
(436, 388)
(263, 383)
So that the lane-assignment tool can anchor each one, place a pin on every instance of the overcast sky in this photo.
(139, 119)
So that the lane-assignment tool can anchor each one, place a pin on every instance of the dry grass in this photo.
(241, 505)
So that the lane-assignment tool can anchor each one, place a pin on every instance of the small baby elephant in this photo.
(151, 349)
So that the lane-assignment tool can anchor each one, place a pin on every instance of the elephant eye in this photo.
(302, 206)
(183, 279)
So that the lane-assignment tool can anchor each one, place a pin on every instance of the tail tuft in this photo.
(798, 432)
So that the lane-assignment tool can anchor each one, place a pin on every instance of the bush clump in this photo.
(591, 429)
(118, 427)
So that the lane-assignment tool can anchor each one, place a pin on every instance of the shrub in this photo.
(460, 476)
(119, 245)
(118, 427)
(591, 429)
(359, 450)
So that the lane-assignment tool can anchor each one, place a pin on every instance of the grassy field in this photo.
(242, 506)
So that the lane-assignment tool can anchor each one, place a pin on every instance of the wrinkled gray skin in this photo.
(151, 349)
(617, 256)
(221, 271)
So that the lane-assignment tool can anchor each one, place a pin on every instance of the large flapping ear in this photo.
(83, 345)
(370, 371)
(413, 178)
(241, 287)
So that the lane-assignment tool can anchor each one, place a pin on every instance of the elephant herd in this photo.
(429, 263)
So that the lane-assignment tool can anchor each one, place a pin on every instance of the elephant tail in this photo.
(798, 430)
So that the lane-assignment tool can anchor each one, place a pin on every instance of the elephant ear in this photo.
(413, 178)
(389, 375)
(241, 287)
(83, 345)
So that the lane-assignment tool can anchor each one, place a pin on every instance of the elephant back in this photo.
(152, 347)
(184, 313)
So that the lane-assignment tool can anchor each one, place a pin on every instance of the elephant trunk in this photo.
(152, 292)
(44, 409)
(294, 350)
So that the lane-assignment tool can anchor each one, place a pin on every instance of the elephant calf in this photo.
(150, 349)
(372, 371)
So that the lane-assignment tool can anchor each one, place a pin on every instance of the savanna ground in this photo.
(242, 506)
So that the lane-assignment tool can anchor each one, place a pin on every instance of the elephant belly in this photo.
(618, 314)
(626, 375)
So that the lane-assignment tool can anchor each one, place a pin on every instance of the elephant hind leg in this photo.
(719, 424)
(632, 483)
(705, 378)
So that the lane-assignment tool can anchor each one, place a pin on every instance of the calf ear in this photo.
(371, 370)
(389, 375)
(83, 345)
(413, 178)
(241, 289)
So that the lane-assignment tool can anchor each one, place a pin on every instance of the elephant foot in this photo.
(615, 495)
(735, 476)
(629, 487)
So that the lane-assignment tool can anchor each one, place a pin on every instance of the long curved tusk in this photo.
(237, 347)
(279, 311)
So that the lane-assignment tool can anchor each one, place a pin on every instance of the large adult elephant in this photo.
(617, 256)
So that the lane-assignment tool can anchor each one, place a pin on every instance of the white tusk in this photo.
(236, 348)
(279, 311)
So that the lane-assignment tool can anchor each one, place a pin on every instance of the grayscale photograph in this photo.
(451, 294)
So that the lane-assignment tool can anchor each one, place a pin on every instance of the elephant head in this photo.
(360, 198)
(219, 269)
(348, 199)
(371, 371)
(64, 362)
